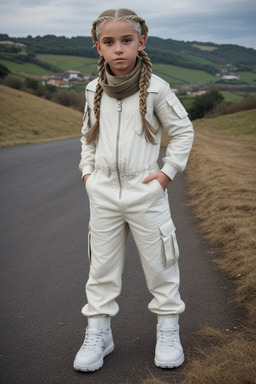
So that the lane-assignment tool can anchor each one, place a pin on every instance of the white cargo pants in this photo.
(119, 203)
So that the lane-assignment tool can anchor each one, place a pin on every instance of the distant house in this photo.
(228, 73)
(198, 93)
(71, 75)
(231, 77)
(65, 79)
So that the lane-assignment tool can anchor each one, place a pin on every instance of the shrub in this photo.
(223, 109)
(3, 71)
(69, 99)
(205, 103)
(14, 82)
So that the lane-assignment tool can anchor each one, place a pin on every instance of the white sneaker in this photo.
(169, 352)
(97, 344)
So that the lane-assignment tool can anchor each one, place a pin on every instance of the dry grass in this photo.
(228, 360)
(30, 119)
(222, 182)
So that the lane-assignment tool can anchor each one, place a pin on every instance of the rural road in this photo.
(44, 266)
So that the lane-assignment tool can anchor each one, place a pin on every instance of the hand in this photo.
(86, 177)
(160, 176)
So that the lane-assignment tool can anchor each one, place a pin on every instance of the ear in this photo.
(98, 48)
(142, 42)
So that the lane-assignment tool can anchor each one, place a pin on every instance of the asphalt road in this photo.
(44, 267)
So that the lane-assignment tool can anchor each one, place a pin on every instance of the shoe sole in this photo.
(98, 364)
(169, 364)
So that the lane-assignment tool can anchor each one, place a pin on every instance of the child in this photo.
(126, 109)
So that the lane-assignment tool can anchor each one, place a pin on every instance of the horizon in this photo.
(150, 36)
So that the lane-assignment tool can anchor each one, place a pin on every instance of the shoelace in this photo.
(91, 339)
(168, 337)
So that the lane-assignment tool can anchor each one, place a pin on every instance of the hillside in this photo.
(30, 119)
(208, 57)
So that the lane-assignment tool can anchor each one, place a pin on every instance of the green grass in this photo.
(231, 97)
(186, 100)
(82, 64)
(25, 69)
(248, 77)
(241, 123)
(179, 75)
(201, 60)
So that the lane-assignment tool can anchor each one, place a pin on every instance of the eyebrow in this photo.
(111, 37)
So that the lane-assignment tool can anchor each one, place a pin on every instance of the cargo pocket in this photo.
(89, 243)
(171, 248)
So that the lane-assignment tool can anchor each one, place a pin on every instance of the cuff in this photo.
(169, 170)
(87, 171)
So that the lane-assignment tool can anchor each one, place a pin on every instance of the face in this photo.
(119, 43)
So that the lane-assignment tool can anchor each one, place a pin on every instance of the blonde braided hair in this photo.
(140, 26)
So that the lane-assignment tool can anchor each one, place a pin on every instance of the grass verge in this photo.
(221, 178)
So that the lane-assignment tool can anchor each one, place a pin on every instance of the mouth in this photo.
(119, 60)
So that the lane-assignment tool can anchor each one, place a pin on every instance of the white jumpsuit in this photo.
(118, 162)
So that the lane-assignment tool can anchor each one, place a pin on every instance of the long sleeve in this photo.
(87, 162)
(174, 119)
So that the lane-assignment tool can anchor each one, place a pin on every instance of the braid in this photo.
(146, 71)
(93, 132)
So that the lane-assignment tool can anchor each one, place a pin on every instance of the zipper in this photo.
(119, 109)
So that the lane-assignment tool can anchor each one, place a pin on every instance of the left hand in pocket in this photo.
(160, 176)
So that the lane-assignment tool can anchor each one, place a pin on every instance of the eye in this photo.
(107, 42)
(126, 41)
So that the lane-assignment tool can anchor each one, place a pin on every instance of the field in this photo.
(248, 77)
(25, 69)
(179, 75)
(82, 64)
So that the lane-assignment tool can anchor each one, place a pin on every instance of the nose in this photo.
(118, 47)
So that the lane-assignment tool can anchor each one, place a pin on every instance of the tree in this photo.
(205, 103)
(3, 71)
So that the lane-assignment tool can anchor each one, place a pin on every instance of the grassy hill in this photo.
(178, 62)
(195, 55)
(30, 119)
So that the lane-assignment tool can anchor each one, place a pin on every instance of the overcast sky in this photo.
(217, 21)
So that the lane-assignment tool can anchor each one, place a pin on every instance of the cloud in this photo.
(229, 21)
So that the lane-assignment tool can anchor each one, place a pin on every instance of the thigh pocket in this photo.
(171, 248)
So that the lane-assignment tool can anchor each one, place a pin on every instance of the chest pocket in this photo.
(174, 102)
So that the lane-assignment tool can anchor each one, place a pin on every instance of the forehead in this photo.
(114, 28)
